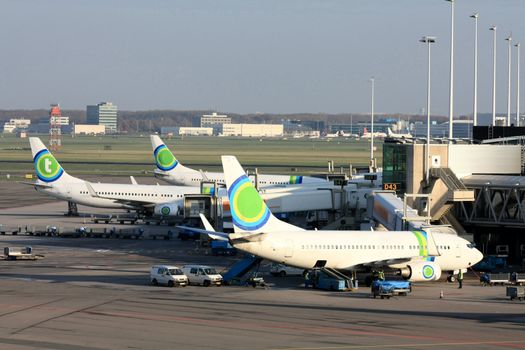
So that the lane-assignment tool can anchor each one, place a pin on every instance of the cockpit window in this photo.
(471, 245)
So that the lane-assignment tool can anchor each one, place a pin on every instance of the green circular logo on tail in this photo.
(46, 166)
(249, 212)
(164, 158)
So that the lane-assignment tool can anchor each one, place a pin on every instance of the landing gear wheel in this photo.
(451, 279)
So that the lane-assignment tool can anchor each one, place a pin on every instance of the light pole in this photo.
(475, 112)
(494, 29)
(372, 165)
(451, 89)
(428, 40)
(509, 39)
(518, 88)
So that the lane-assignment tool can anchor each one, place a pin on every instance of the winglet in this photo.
(206, 223)
(91, 190)
(133, 181)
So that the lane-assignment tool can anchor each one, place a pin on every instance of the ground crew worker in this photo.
(381, 275)
(460, 279)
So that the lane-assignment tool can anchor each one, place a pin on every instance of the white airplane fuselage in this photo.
(191, 177)
(78, 192)
(345, 250)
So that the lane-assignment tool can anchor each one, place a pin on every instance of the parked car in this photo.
(167, 275)
(202, 275)
(285, 270)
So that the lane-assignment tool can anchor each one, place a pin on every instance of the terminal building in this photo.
(16, 125)
(253, 130)
(104, 113)
(478, 189)
(89, 129)
(185, 131)
(215, 121)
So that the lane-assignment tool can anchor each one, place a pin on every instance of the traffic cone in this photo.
(441, 294)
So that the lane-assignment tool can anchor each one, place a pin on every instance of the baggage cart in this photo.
(516, 292)
(387, 289)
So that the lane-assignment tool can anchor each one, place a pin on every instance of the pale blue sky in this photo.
(243, 56)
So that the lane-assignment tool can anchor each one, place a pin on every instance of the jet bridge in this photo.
(392, 212)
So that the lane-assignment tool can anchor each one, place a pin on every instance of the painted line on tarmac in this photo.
(377, 346)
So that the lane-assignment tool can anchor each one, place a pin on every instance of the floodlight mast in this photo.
(428, 40)
(451, 88)
(509, 40)
(475, 109)
(494, 30)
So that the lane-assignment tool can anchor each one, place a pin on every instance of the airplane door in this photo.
(288, 248)
(458, 251)
(68, 192)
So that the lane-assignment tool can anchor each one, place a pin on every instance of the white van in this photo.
(285, 270)
(167, 275)
(201, 274)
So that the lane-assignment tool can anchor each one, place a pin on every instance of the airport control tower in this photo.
(55, 127)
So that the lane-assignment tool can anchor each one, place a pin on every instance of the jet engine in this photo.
(168, 209)
(421, 271)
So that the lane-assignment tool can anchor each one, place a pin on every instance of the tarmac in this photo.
(93, 293)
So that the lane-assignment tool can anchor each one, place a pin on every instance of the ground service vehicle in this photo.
(202, 275)
(168, 275)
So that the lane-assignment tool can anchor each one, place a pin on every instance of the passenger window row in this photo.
(135, 194)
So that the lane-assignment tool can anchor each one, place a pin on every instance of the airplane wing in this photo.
(220, 236)
(36, 184)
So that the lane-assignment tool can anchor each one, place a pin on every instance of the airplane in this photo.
(341, 133)
(415, 255)
(172, 171)
(368, 135)
(390, 133)
(53, 180)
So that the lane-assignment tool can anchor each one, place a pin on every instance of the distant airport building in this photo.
(104, 113)
(89, 129)
(359, 127)
(16, 124)
(215, 121)
(461, 129)
(185, 131)
(291, 126)
(191, 131)
(253, 130)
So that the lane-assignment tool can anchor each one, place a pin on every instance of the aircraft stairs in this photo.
(446, 192)
(241, 268)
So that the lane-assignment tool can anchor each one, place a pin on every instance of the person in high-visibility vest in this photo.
(381, 275)
(460, 279)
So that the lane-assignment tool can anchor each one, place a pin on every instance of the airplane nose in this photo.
(478, 256)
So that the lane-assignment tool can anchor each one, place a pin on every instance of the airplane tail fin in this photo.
(389, 132)
(47, 167)
(249, 212)
(164, 158)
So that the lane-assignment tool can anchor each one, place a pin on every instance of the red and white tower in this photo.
(55, 127)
